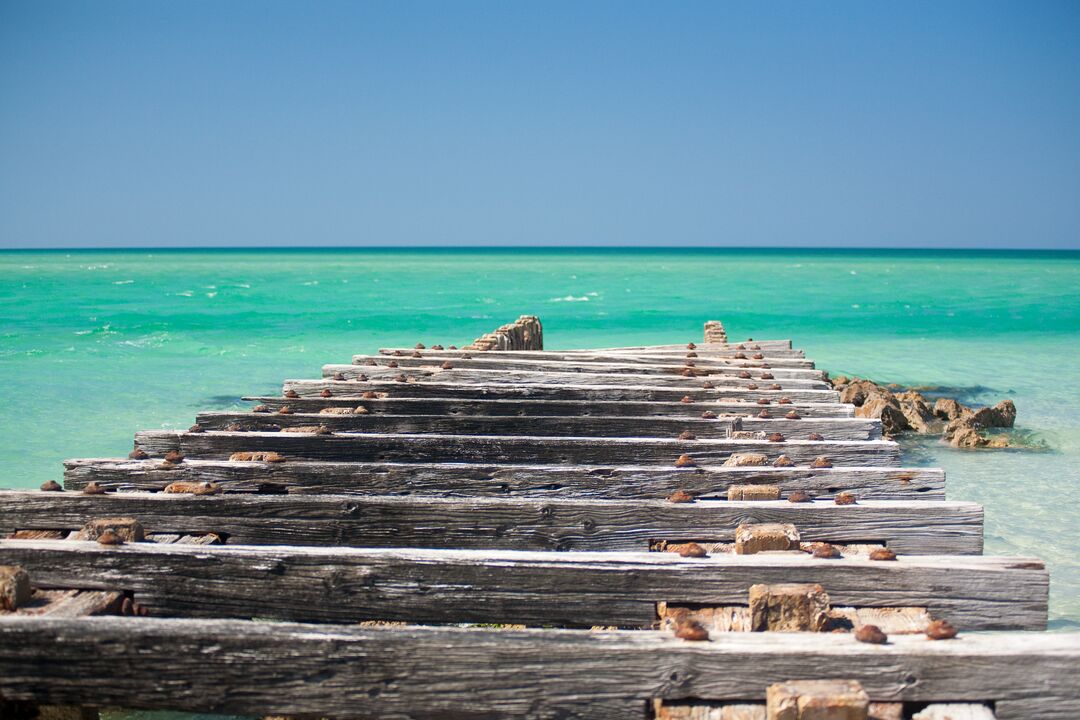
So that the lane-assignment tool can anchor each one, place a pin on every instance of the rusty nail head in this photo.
(690, 346)
(680, 496)
(707, 385)
(692, 631)
(260, 409)
(51, 486)
(764, 414)
(284, 410)
(687, 399)
(940, 630)
(824, 551)
(752, 386)
(766, 376)
(844, 498)
(882, 554)
(447, 365)
(871, 634)
(775, 437)
(799, 496)
(687, 435)
(339, 376)
(392, 364)
(110, 538)
(792, 415)
(784, 401)
(763, 401)
(708, 415)
(290, 393)
(692, 550)
(744, 374)
(685, 461)
(821, 462)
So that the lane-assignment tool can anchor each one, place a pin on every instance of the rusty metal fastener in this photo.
(690, 346)
(940, 630)
(774, 386)
(339, 376)
(452, 347)
(369, 395)
(824, 551)
(370, 361)
(398, 353)
(691, 631)
(361, 410)
(447, 365)
(285, 410)
(707, 385)
(775, 437)
(691, 354)
(821, 462)
(740, 356)
(416, 354)
(792, 415)
(708, 415)
(844, 498)
(687, 435)
(752, 386)
(401, 378)
(764, 414)
(361, 378)
(419, 346)
(174, 456)
(692, 550)
(261, 409)
(799, 496)
(291, 394)
(744, 374)
(110, 538)
(436, 347)
(763, 401)
(690, 363)
(51, 486)
(816, 437)
(687, 399)
(92, 488)
(326, 393)
(392, 364)
(783, 461)
(784, 401)
(196, 429)
(871, 634)
(766, 376)
(758, 356)
(685, 461)
(882, 554)
(680, 496)
(138, 454)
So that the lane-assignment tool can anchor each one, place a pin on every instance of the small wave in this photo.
(186, 293)
(122, 282)
(312, 282)
(211, 294)
(570, 298)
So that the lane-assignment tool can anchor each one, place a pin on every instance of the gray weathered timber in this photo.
(492, 361)
(573, 589)
(568, 391)
(243, 667)
(518, 480)
(947, 528)
(494, 377)
(376, 447)
(530, 406)
(550, 425)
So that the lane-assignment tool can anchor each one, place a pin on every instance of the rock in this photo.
(857, 391)
(949, 409)
(918, 413)
(1001, 415)
(998, 441)
(887, 409)
(962, 433)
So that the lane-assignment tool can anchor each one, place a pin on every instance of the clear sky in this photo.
(202, 122)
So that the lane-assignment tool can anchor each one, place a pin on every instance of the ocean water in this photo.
(97, 344)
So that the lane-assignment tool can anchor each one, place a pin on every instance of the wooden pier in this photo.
(698, 531)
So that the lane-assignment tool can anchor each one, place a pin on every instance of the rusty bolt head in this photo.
(360, 410)
(138, 454)
(419, 346)
(692, 550)
(401, 378)
(707, 385)
(758, 356)
(871, 634)
(692, 631)
(261, 409)
(783, 461)
(690, 363)
(339, 376)
(816, 437)
(775, 437)
(740, 346)
(784, 401)
(392, 364)
(398, 353)
(763, 401)
(687, 435)
(824, 551)
(799, 496)
(740, 356)
(844, 498)
(687, 399)
(416, 354)
(685, 461)
(51, 486)
(764, 414)
(370, 361)
(291, 394)
(792, 415)
(708, 415)
(744, 374)
(752, 386)
(774, 386)
(882, 554)
(764, 365)
(369, 395)
(361, 378)
(688, 372)
(174, 456)
(690, 346)
(680, 496)
(766, 376)
(92, 488)
(285, 410)
(940, 630)
(821, 462)
(447, 365)
(326, 393)
(196, 429)
(110, 538)
(452, 347)
(691, 354)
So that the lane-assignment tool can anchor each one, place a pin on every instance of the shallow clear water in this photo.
(95, 345)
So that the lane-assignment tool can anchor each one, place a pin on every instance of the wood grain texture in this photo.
(535, 407)
(551, 425)
(509, 480)
(502, 523)
(376, 447)
(578, 589)
(570, 389)
(232, 666)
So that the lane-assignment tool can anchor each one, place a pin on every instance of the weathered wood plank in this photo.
(571, 390)
(233, 666)
(377, 447)
(495, 377)
(529, 406)
(578, 589)
(952, 528)
(549, 425)
(514, 480)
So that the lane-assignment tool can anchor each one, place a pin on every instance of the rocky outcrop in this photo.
(910, 411)
(525, 333)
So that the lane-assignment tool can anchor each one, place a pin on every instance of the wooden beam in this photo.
(549, 425)
(375, 447)
(578, 589)
(569, 389)
(243, 667)
(953, 528)
(514, 480)
(529, 406)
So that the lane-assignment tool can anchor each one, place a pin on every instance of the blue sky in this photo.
(871, 124)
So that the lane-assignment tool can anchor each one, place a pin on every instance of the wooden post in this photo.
(788, 607)
(762, 537)
(14, 587)
(816, 700)
(126, 528)
(714, 332)
(753, 492)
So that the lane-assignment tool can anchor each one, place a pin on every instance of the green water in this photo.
(95, 345)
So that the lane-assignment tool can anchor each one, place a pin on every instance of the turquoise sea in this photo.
(97, 344)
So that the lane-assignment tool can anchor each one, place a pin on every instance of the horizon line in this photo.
(406, 248)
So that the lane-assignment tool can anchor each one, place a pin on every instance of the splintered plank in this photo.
(243, 667)
(529, 406)
(71, 603)
(534, 588)
(577, 387)
(549, 425)
(515, 480)
(376, 447)
(906, 527)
